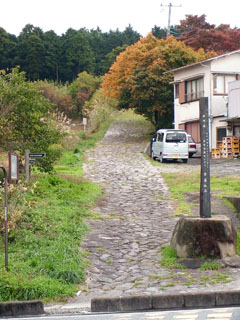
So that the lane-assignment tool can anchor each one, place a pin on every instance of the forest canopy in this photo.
(46, 55)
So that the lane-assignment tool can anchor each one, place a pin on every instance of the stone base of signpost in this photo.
(212, 237)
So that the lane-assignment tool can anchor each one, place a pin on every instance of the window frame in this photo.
(194, 86)
(176, 90)
(217, 135)
(224, 75)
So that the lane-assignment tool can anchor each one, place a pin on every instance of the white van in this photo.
(170, 144)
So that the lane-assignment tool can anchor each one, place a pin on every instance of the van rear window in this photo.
(176, 137)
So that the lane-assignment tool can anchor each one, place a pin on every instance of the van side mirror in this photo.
(153, 139)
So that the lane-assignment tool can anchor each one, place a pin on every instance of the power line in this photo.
(170, 6)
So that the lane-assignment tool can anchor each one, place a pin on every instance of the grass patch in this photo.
(210, 266)
(169, 258)
(45, 261)
(238, 242)
(109, 262)
(44, 257)
(181, 183)
(215, 278)
(178, 185)
(190, 281)
(72, 160)
(101, 250)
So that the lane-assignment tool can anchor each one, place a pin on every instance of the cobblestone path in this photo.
(124, 243)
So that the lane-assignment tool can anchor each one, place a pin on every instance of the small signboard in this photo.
(13, 167)
(84, 121)
(37, 155)
(30, 158)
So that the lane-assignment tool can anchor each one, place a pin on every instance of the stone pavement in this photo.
(135, 220)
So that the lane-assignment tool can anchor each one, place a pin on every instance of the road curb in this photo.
(21, 308)
(166, 301)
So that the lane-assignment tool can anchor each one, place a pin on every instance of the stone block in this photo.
(21, 308)
(136, 303)
(197, 300)
(212, 237)
(167, 301)
(106, 304)
(228, 298)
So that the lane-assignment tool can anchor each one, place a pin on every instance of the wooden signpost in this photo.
(30, 158)
(205, 197)
(5, 214)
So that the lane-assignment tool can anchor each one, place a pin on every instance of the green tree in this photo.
(77, 55)
(31, 52)
(7, 49)
(159, 32)
(25, 121)
(103, 44)
(83, 88)
(111, 57)
(52, 45)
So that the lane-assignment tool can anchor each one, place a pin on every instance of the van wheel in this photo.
(161, 159)
(151, 155)
(185, 160)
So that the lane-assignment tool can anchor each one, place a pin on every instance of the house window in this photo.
(176, 91)
(194, 89)
(221, 83)
(236, 131)
(221, 133)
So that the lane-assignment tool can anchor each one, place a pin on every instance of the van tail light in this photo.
(192, 146)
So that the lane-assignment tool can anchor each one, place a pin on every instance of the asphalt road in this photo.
(195, 314)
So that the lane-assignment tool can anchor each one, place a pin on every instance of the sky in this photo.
(142, 15)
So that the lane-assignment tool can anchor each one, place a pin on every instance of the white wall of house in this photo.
(234, 99)
(226, 63)
(189, 111)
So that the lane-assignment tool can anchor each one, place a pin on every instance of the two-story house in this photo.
(208, 78)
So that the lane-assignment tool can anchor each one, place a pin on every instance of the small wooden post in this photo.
(27, 167)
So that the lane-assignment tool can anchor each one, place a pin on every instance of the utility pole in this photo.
(170, 6)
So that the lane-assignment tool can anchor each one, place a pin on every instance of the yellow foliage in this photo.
(153, 54)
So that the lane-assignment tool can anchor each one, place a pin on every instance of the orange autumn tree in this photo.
(138, 79)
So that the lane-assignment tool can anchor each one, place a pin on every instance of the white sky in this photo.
(59, 15)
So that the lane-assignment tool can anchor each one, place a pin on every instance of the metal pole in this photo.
(170, 6)
(169, 19)
(5, 216)
(205, 197)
